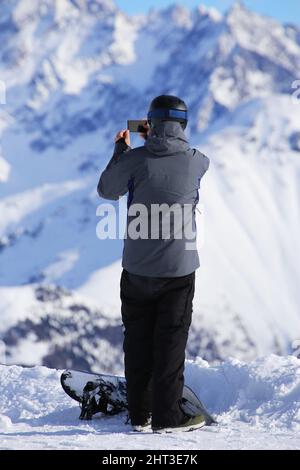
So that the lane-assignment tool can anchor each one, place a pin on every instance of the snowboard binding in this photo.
(96, 399)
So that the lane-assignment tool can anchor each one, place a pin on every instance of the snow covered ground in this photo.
(71, 76)
(257, 406)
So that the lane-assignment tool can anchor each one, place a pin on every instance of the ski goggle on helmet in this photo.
(167, 108)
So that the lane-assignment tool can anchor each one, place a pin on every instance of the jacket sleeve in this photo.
(113, 182)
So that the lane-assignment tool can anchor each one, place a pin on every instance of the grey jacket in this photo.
(163, 171)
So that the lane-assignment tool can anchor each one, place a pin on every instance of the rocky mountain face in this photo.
(72, 72)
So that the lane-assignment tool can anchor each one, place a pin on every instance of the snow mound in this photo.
(257, 406)
(264, 393)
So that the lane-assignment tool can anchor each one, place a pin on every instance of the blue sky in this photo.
(283, 10)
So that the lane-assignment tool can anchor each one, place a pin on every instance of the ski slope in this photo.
(257, 406)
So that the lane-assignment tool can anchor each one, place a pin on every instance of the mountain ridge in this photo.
(71, 81)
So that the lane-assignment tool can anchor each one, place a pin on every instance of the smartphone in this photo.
(136, 125)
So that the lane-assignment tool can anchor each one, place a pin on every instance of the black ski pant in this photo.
(156, 314)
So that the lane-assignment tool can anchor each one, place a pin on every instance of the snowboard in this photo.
(102, 393)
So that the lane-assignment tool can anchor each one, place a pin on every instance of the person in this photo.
(158, 278)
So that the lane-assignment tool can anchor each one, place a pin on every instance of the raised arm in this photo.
(113, 182)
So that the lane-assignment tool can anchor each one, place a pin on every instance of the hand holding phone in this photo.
(137, 125)
(141, 126)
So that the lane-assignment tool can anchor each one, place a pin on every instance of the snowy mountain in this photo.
(257, 406)
(74, 71)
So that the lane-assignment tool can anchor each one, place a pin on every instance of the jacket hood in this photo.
(167, 138)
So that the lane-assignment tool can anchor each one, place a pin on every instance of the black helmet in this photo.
(167, 108)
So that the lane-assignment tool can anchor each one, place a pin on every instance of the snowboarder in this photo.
(158, 278)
